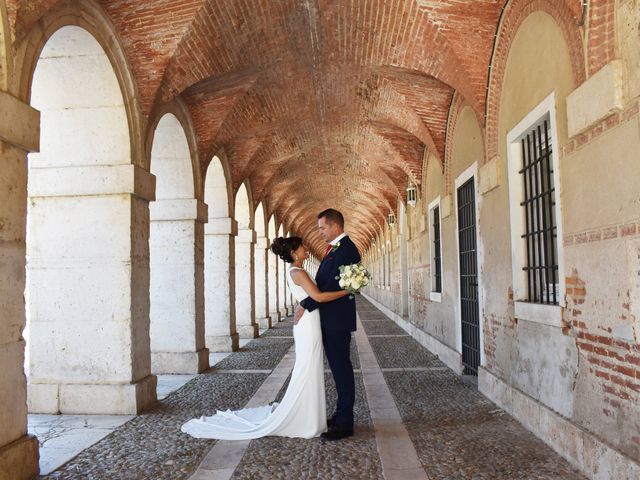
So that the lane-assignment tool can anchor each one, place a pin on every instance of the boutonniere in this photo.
(335, 247)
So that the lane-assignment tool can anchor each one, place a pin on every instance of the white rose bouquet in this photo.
(353, 278)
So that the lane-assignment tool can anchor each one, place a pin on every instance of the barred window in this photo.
(436, 256)
(538, 203)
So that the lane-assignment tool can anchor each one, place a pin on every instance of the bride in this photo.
(302, 412)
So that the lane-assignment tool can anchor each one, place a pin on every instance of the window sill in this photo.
(435, 297)
(538, 313)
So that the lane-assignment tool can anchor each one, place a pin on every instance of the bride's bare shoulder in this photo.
(298, 273)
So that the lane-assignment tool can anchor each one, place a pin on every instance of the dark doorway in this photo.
(469, 307)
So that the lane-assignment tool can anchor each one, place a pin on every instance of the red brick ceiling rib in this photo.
(317, 102)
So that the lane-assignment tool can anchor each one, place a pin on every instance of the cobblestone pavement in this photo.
(288, 458)
(151, 445)
(456, 431)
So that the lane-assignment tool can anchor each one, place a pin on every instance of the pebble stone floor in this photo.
(457, 433)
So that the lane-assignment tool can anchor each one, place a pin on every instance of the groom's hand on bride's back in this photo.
(297, 314)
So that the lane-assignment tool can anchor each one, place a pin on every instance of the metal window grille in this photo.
(541, 266)
(437, 272)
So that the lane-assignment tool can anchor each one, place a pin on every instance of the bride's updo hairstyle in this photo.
(284, 246)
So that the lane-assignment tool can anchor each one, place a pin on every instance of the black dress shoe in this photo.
(336, 434)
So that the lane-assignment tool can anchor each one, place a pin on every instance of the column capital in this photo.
(246, 236)
(19, 123)
(263, 242)
(221, 226)
(92, 180)
(179, 209)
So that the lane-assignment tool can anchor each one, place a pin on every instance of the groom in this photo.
(338, 319)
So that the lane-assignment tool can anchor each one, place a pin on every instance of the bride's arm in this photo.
(302, 279)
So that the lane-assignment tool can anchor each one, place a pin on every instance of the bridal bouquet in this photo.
(353, 278)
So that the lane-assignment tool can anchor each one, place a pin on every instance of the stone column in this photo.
(88, 289)
(177, 286)
(19, 134)
(261, 284)
(220, 285)
(282, 283)
(274, 311)
(245, 285)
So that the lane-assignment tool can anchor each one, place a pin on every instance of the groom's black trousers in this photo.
(337, 347)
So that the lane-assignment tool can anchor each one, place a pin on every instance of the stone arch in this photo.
(82, 178)
(274, 311)
(90, 16)
(217, 188)
(282, 280)
(260, 220)
(219, 259)
(180, 112)
(243, 210)
(175, 248)
(465, 145)
(171, 160)
(245, 263)
(454, 111)
(515, 13)
(262, 261)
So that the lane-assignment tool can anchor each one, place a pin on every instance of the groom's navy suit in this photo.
(338, 320)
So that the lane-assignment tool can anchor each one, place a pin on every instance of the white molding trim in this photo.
(471, 172)
(514, 157)
(577, 445)
(435, 296)
(449, 356)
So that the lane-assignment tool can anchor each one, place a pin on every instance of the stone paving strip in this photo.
(151, 445)
(457, 432)
(224, 457)
(397, 453)
(293, 458)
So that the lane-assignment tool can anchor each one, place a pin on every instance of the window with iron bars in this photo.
(538, 204)
(436, 257)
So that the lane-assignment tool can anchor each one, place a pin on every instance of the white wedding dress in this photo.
(301, 413)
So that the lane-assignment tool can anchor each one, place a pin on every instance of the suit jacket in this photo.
(340, 314)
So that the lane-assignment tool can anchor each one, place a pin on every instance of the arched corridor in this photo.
(483, 153)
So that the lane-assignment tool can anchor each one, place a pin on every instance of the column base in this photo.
(284, 313)
(248, 331)
(223, 343)
(19, 459)
(275, 317)
(180, 362)
(92, 399)
(265, 323)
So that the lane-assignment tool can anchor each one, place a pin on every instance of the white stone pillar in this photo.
(177, 286)
(245, 285)
(261, 284)
(282, 283)
(19, 134)
(274, 311)
(88, 284)
(220, 285)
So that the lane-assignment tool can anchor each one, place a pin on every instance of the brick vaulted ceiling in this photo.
(317, 102)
